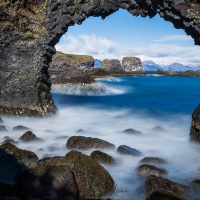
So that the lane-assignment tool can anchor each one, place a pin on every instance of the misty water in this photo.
(141, 103)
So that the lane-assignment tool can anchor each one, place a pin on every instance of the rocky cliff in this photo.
(131, 64)
(29, 30)
(61, 61)
(112, 65)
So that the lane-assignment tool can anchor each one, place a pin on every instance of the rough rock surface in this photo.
(159, 188)
(29, 137)
(23, 156)
(195, 128)
(48, 182)
(126, 150)
(29, 30)
(81, 142)
(61, 61)
(92, 179)
(102, 157)
(147, 170)
(152, 160)
(131, 64)
(112, 65)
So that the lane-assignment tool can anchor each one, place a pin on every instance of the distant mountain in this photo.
(152, 66)
(97, 63)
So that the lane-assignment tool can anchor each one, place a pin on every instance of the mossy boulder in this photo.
(102, 157)
(23, 156)
(81, 142)
(92, 179)
(48, 182)
(159, 188)
(147, 170)
(29, 137)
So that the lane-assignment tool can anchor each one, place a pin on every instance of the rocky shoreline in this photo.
(76, 175)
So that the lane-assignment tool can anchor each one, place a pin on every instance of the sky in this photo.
(122, 34)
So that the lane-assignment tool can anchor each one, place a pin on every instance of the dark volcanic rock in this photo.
(131, 131)
(147, 170)
(29, 30)
(29, 137)
(61, 61)
(126, 150)
(81, 142)
(3, 128)
(92, 179)
(48, 182)
(102, 157)
(195, 128)
(163, 189)
(23, 156)
(21, 128)
(131, 64)
(152, 160)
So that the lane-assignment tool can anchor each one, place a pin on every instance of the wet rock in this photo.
(160, 189)
(102, 157)
(29, 137)
(1, 121)
(195, 127)
(48, 182)
(147, 170)
(3, 128)
(131, 131)
(126, 150)
(131, 64)
(92, 179)
(9, 170)
(81, 142)
(158, 129)
(11, 141)
(23, 156)
(21, 128)
(152, 160)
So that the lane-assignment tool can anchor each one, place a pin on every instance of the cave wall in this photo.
(29, 30)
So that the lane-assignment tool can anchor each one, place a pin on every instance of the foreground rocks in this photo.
(23, 156)
(29, 137)
(147, 170)
(159, 188)
(81, 142)
(126, 150)
(195, 127)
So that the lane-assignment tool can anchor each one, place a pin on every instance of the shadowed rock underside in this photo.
(29, 30)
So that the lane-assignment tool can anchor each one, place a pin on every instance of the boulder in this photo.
(152, 160)
(132, 64)
(112, 65)
(81, 142)
(92, 179)
(131, 131)
(126, 150)
(147, 170)
(195, 127)
(48, 182)
(11, 141)
(21, 128)
(29, 137)
(102, 157)
(163, 189)
(61, 61)
(23, 156)
(3, 128)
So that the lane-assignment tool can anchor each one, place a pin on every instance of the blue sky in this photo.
(122, 34)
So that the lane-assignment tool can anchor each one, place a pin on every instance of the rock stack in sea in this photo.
(113, 65)
(132, 64)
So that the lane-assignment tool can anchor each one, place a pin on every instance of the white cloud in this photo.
(102, 48)
(174, 38)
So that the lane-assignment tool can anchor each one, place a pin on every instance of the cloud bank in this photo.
(158, 52)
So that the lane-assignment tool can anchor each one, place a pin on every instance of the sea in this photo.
(114, 104)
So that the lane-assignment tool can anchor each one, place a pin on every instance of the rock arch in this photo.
(29, 30)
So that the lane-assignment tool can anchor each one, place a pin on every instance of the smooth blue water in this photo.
(156, 95)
